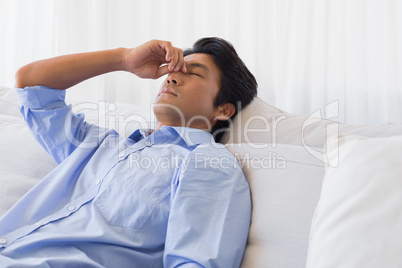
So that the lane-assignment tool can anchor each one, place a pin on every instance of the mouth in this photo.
(168, 90)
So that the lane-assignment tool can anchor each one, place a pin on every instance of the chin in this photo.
(168, 112)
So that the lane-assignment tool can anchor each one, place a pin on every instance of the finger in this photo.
(168, 48)
(174, 60)
(162, 70)
(184, 67)
(180, 62)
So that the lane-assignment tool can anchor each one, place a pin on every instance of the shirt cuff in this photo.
(40, 97)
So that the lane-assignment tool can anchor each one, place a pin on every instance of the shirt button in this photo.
(3, 241)
(147, 143)
(71, 208)
(97, 182)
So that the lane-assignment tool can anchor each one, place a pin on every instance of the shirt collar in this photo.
(191, 136)
(139, 134)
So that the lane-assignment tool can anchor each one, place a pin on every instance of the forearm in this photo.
(149, 60)
(66, 71)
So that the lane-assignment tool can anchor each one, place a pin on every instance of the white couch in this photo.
(285, 159)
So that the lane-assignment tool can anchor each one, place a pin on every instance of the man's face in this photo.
(186, 99)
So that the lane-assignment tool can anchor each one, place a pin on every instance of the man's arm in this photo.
(210, 212)
(150, 60)
(51, 121)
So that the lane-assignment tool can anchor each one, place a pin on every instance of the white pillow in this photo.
(358, 220)
(285, 183)
(260, 122)
(279, 238)
(22, 161)
(9, 102)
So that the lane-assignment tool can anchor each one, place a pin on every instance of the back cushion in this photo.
(260, 122)
(359, 207)
(285, 183)
(22, 161)
(284, 199)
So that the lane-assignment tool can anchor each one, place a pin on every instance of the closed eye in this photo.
(196, 74)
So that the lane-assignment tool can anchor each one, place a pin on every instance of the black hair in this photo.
(237, 84)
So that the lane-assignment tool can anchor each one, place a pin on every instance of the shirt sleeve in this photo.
(210, 214)
(52, 122)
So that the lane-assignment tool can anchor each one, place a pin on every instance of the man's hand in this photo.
(150, 60)
(154, 59)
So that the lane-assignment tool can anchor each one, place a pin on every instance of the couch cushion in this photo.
(22, 161)
(9, 102)
(285, 183)
(260, 122)
(358, 219)
(280, 238)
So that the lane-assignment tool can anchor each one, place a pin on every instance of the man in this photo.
(97, 209)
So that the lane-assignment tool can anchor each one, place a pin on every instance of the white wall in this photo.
(304, 53)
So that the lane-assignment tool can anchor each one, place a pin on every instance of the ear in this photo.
(224, 111)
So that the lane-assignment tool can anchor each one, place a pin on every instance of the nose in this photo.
(173, 79)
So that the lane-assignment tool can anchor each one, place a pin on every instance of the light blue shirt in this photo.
(172, 198)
